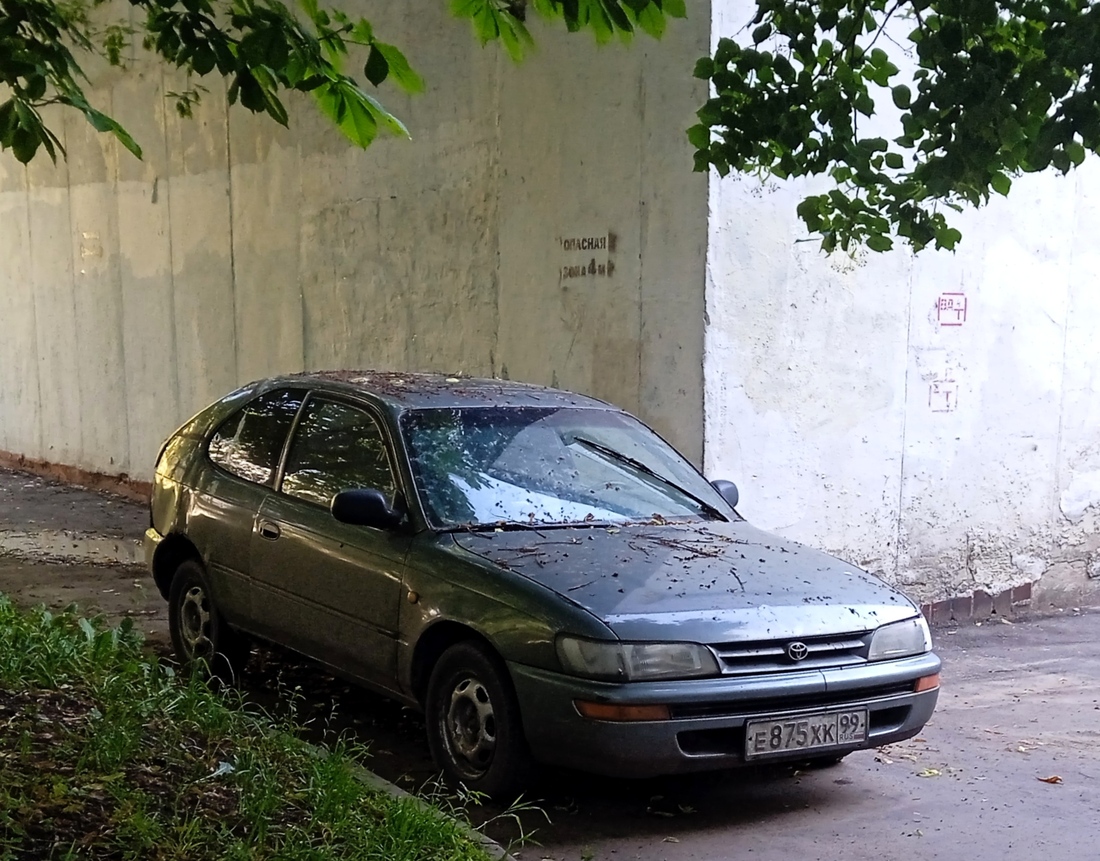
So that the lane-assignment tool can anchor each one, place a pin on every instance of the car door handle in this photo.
(269, 530)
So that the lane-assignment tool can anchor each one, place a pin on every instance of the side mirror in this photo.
(365, 507)
(727, 490)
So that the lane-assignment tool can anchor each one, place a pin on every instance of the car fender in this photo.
(519, 618)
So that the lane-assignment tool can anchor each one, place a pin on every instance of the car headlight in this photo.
(628, 662)
(900, 639)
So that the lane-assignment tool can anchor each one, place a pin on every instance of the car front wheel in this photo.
(199, 633)
(473, 721)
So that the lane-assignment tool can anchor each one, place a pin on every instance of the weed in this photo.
(107, 753)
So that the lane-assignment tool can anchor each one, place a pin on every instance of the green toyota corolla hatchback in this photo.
(538, 571)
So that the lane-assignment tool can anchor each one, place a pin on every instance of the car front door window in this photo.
(336, 447)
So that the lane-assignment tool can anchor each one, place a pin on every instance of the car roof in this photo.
(421, 391)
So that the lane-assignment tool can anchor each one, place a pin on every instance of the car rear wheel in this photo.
(200, 635)
(473, 721)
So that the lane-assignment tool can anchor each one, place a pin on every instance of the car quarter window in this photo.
(249, 442)
(336, 447)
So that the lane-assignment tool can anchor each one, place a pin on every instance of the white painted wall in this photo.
(947, 457)
(134, 292)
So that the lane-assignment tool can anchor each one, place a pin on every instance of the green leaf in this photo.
(9, 120)
(1000, 183)
(483, 15)
(810, 211)
(24, 144)
(879, 242)
(652, 20)
(511, 43)
(99, 120)
(377, 67)
(617, 15)
(363, 32)
(35, 88)
(400, 70)
(902, 96)
(311, 8)
(357, 123)
(675, 8)
(948, 238)
(251, 93)
(894, 160)
(699, 136)
(203, 60)
(704, 68)
(383, 117)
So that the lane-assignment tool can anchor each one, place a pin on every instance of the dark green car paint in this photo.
(368, 602)
(308, 591)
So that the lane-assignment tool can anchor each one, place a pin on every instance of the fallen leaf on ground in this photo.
(671, 840)
(929, 772)
(1054, 778)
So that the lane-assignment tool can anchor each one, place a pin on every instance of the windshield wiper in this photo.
(626, 459)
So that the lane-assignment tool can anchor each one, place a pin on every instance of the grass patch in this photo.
(105, 753)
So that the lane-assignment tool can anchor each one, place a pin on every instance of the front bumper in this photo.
(707, 728)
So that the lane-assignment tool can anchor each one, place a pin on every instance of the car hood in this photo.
(709, 583)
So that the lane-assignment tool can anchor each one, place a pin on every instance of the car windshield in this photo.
(536, 466)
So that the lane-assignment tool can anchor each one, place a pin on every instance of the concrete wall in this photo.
(934, 418)
(134, 292)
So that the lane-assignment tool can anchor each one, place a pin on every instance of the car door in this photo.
(326, 588)
(243, 455)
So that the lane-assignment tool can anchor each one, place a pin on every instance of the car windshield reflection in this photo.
(491, 467)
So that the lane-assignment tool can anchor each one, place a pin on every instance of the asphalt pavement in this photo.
(1009, 767)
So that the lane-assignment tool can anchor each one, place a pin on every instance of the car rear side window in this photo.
(336, 447)
(249, 442)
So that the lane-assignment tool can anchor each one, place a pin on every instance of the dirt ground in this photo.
(114, 591)
(60, 545)
(1008, 768)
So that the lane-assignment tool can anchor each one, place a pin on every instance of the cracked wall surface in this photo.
(933, 418)
(135, 292)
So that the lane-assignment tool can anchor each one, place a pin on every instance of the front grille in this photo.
(774, 704)
(771, 656)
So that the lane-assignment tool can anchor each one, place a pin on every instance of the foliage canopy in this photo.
(990, 90)
(975, 91)
(262, 48)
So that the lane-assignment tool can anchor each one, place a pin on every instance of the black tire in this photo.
(474, 729)
(200, 635)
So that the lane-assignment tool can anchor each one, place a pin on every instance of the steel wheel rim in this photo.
(195, 624)
(470, 726)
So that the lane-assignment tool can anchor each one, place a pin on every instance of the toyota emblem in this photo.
(797, 651)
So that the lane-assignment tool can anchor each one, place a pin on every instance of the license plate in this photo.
(808, 732)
